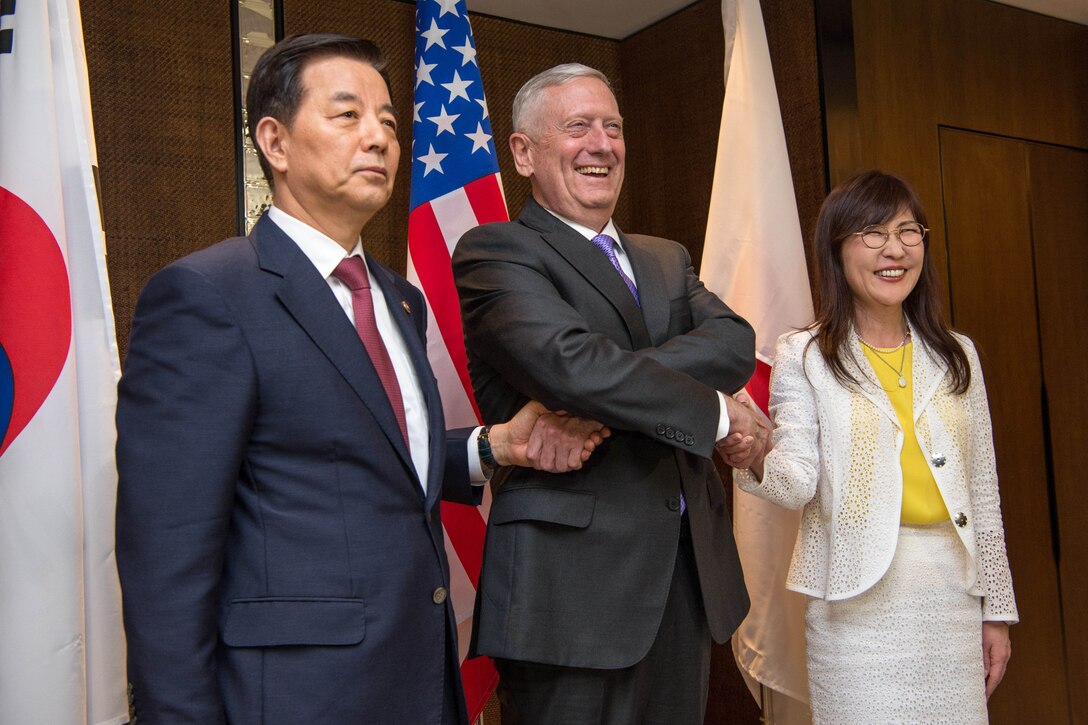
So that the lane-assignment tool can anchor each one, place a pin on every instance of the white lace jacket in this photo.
(836, 452)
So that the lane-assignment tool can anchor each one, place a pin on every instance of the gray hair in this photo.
(528, 98)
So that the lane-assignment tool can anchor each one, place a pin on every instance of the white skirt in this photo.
(908, 650)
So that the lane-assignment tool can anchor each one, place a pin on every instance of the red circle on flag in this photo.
(35, 314)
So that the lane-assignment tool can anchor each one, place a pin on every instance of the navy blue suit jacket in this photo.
(279, 561)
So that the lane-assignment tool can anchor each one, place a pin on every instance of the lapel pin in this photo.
(407, 309)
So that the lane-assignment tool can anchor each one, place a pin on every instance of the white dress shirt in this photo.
(325, 254)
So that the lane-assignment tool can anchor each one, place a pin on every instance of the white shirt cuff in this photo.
(475, 471)
(723, 418)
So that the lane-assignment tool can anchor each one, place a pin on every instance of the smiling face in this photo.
(881, 279)
(573, 152)
(334, 166)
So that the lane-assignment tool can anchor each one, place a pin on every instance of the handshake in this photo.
(545, 440)
(556, 442)
(749, 439)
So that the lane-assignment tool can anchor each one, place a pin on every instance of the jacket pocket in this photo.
(278, 621)
(554, 506)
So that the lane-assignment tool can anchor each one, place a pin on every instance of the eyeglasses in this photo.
(876, 236)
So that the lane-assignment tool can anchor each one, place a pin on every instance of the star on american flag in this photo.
(451, 132)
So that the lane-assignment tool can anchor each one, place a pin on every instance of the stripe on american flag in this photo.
(455, 187)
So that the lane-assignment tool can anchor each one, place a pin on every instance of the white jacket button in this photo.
(961, 519)
(937, 460)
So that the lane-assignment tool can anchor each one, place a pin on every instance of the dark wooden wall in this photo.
(982, 107)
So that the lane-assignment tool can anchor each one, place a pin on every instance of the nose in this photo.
(373, 135)
(597, 140)
(894, 247)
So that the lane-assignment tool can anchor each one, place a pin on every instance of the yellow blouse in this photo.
(922, 502)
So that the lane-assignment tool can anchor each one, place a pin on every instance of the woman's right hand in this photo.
(747, 451)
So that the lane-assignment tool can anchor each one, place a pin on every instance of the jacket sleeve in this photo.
(995, 577)
(719, 349)
(791, 469)
(186, 402)
(456, 484)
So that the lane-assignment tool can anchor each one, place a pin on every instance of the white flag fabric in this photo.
(61, 639)
(753, 258)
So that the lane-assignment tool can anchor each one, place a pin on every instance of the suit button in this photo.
(670, 433)
(937, 460)
(961, 519)
(661, 429)
(428, 517)
(439, 595)
(689, 439)
(674, 503)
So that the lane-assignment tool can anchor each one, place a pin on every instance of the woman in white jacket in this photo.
(882, 433)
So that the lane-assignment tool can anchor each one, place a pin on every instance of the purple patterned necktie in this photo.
(607, 245)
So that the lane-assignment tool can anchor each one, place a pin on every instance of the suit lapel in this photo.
(308, 299)
(405, 318)
(591, 264)
(651, 288)
(927, 375)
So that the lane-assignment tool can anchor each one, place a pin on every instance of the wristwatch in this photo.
(483, 445)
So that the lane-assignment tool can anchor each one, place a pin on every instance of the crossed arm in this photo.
(522, 326)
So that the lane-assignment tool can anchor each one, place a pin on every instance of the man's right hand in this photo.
(538, 438)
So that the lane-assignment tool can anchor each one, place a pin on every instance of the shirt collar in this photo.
(321, 249)
(588, 233)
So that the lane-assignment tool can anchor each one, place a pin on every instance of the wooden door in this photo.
(1017, 276)
(1059, 220)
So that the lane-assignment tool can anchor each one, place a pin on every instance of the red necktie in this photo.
(352, 272)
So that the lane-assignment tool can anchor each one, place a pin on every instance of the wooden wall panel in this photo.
(674, 87)
(989, 225)
(922, 64)
(1059, 206)
(160, 80)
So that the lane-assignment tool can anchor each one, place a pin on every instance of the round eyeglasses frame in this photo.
(875, 236)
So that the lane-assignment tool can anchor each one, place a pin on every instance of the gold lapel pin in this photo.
(406, 307)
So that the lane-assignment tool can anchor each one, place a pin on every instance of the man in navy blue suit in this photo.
(278, 529)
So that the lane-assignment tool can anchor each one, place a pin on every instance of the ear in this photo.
(273, 138)
(521, 146)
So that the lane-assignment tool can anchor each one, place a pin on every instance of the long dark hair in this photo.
(873, 197)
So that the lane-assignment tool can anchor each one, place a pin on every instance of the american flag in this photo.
(455, 187)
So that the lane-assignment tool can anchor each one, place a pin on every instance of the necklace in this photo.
(885, 350)
(902, 360)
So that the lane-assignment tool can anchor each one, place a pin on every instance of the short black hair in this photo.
(275, 87)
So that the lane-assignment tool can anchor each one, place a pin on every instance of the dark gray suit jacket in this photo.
(577, 566)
